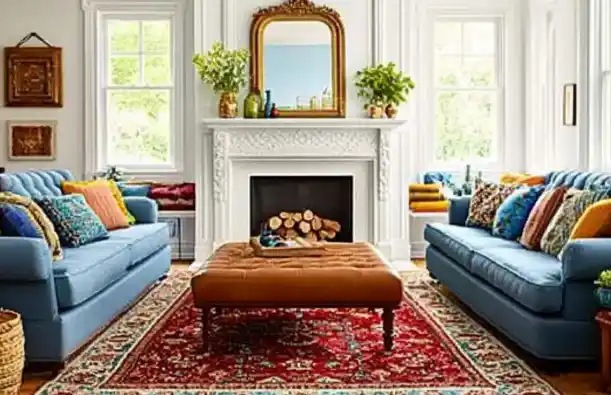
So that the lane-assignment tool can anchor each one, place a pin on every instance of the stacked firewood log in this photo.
(306, 224)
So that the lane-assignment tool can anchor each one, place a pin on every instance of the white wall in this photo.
(61, 23)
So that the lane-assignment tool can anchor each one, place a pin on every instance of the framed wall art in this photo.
(32, 140)
(33, 75)
(569, 109)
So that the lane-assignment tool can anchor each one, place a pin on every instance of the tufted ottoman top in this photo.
(351, 274)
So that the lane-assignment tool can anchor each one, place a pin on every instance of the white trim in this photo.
(378, 31)
(228, 16)
(96, 13)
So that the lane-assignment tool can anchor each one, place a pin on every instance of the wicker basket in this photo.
(12, 353)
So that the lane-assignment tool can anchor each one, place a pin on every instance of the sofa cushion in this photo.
(459, 242)
(36, 183)
(512, 214)
(143, 240)
(89, 269)
(486, 199)
(531, 278)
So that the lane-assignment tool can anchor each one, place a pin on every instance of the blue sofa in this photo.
(544, 304)
(64, 303)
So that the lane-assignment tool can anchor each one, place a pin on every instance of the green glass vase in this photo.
(252, 105)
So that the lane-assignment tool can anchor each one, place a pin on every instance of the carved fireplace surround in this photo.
(230, 151)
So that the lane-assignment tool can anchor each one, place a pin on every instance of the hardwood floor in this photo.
(573, 379)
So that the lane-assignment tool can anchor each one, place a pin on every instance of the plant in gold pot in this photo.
(225, 71)
(383, 87)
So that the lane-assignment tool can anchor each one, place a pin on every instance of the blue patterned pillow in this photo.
(17, 221)
(75, 222)
(511, 216)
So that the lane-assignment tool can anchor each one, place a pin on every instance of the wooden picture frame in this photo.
(569, 106)
(32, 140)
(33, 77)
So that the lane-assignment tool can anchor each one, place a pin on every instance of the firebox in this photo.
(313, 207)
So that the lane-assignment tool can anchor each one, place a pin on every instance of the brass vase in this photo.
(375, 111)
(392, 111)
(228, 105)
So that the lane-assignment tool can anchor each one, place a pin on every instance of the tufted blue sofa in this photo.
(544, 304)
(64, 303)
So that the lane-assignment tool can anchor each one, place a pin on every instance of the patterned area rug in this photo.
(155, 349)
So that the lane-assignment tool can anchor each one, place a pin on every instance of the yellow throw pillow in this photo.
(51, 237)
(116, 194)
(595, 221)
(531, 181)
(511, 177)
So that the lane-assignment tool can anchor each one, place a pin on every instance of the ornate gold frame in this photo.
(298, 10)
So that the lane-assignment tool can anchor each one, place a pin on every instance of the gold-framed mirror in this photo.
(298, 53)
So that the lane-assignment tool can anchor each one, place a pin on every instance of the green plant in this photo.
(384, 84)
(604, 279)
(112, 173)
(223, 69)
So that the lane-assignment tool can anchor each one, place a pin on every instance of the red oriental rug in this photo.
(155, 349)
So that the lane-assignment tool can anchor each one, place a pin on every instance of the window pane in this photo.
(478, 71)
(139, 127)
(123, 36)
(156, 36)
(465, 126)
(124, 70)
(448, 70)
(157, 70)
(448, 37)
(479, 38)
(606, 121)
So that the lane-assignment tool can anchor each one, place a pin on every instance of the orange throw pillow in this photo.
(101, 200)
(595, 221)
(540, 217)
(531, 181)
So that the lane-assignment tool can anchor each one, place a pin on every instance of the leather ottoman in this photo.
(349, 275)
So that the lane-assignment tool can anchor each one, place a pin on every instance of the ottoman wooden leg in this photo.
(205, 328)
(388, 316)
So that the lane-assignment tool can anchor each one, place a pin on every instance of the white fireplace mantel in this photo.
(229, 151)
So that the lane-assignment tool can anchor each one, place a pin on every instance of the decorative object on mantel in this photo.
(31, 140)
(252, 104)
(267, 112)
(33, 74)
(569, 113)
(12, 357)
(320, 53)
(275, 113)
(383, 88)
(225, 71)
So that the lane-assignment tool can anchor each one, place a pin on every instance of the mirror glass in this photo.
(297, 65)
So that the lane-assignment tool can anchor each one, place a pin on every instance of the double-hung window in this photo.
(467, 89)
(138, 119)
(605, 82)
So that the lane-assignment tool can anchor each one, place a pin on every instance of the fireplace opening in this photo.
(313, 207)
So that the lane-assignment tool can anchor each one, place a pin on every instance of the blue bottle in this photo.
(268, 104)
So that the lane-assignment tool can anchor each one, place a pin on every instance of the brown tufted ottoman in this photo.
(350, 275)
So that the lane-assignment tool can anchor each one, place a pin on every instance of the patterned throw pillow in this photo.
(559, 230)
(100, 197)
(17, 221)
(540, 217)
(512, 214)
(51, 237)
(486, 199)
(79, 187)
(74, 220)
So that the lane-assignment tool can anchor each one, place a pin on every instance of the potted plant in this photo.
(112, 173)
(383, 87)
(603, 292)
(225, 71)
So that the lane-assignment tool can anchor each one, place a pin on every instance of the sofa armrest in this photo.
(143, 209)
(24, 259)
(584, 259)
(459, 210)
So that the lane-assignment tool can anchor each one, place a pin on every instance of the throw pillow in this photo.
(595, 222)
(531, 180)
(559, 230)
(76, 223)
(49, 233)
(134, 189)
(486, 199)
(512, 214)
(69, 187)
(100, 198)
(540, 217)
(17, 221)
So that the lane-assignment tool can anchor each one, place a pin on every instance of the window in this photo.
(134, 52)
(467, 90)
(605, 76)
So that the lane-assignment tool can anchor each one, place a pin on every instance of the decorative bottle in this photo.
(252, 103)
(268, 103)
